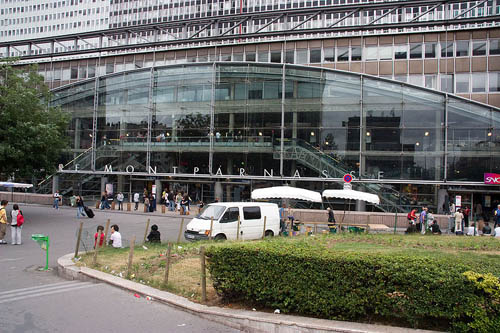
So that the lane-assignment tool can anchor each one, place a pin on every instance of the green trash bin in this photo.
(356, 230)
(43, 241)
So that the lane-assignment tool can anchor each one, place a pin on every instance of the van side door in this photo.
(252, 223)
(228, 223)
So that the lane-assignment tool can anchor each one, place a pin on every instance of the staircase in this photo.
(313, 158)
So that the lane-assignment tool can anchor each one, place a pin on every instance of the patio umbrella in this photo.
(286, 192)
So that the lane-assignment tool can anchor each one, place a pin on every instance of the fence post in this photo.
(238, 229)
(145, 232)
(264, 231)
(211, 227)
(203, 275)
(315, 228)
(96, 248)
(367, 223)
(130, 256)
(78, 239)
(395, 221)
(106, 232)
(167, 263)
(180, 231)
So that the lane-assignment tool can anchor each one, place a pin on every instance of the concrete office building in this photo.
(196, 91)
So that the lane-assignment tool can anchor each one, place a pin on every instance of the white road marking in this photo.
(39, 293)
(10, 259)
(38, 287)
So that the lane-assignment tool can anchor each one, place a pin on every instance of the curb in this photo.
(244, 320)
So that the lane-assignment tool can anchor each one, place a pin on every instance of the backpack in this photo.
(20, 219)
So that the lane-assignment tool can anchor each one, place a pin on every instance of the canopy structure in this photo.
(15, 185)
(348, 193)
(286, 192)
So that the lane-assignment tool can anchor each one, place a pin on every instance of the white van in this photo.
(225, 225)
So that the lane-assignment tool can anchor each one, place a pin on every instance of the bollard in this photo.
(395, 221)
(163, 209)
(180, 231)
(129, 206)
(203, 275)
(106, 232)
(145, 208)
(238, 229)
(97, 204)
(130, 256)
(113, 205)
(146, 232)
(211, 227)
(264, 231)
(167, 263)
(78, 239)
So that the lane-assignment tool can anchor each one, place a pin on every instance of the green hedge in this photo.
(399, 288)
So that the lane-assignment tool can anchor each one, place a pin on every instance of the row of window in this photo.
(54, 27)
(51, 16)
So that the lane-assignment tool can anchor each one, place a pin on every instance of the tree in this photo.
(32, 134)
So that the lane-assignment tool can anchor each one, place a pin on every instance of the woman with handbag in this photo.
(16, 225)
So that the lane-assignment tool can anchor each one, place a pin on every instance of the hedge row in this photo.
(403, 289)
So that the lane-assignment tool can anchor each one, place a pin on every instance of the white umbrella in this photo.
(17, 185)
(286, 192)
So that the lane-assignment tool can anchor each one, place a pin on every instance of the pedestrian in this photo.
(80, 206)
(116, 238)
(146, 204)
(145, 194)
(136, 200)
(486, 229)
(104, 200)
(153, 202)
(154, 235)
(331, 219)
(15, 228)
(497, 217)
(101, 240)
(466, 216)
(3, 220)
(56, 197)
(119, 198)
(423, 220)
(459, 222)
(178, 199)
(171, 201)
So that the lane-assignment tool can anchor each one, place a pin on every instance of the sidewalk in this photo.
(244, 320)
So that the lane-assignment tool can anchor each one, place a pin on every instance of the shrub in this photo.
(310, 279)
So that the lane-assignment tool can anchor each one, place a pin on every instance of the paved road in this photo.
(36, 301)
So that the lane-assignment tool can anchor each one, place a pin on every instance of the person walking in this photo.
(80, 206)
(15, 229)
(423, 220)
(497, 217)
(56, 197)
(3, 220)
(136, 200)
(119, 198)
(171, 201)
(459, 217)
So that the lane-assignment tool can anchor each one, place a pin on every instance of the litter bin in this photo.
(43, 241)
(356, 230)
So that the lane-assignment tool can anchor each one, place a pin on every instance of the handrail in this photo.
(65, 165)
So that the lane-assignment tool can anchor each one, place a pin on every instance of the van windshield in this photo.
(212, 211)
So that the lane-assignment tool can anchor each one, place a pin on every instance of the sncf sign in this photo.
(492, 178)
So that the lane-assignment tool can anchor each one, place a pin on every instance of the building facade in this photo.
(254, 96)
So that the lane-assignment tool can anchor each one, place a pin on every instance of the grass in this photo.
(185, 270)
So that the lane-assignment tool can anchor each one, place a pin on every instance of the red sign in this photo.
(348, 178)
(492, 178)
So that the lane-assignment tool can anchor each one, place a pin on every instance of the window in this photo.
(356, 53)
(431, 81)
(289, 57)
(251, 213)
(478, 82)
(447, 83)
(430, 50)
(494, 46)
(385, 52)
(462, 82)
(250, 56)
(329, 55)
(231, 215)
(74, 73)
(446, 49)
(462, 49)
(370, 53)
(263, 56)
(494, 82)
(276, 56)
(479, 48)
(110, 68)
(343, 54)
(416, 79)
(400, 51)
(415, 51)
(315, 56)
(301, 56)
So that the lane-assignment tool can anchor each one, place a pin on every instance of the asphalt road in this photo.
(40, 301)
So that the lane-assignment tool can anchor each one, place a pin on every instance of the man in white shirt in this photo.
(496, 233)
(116, 238)
(56, 200)
(119, 198)
(136, 200)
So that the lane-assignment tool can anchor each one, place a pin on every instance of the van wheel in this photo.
(220, 237)
(269, 233)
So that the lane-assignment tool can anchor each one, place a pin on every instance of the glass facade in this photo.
(283, 122)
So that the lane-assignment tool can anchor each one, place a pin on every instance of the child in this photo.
(101, 241)
(116, 237)
(154, 235)
(15, 230)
